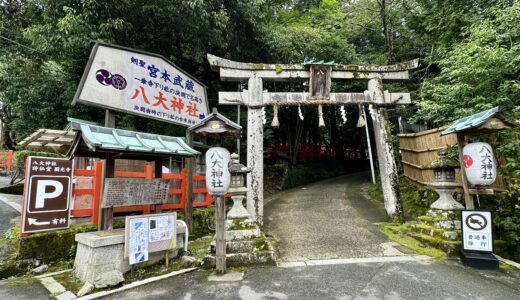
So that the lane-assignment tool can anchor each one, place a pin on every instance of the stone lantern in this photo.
(237, 188)
(445, 185)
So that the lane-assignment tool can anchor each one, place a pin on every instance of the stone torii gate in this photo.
(255, 98)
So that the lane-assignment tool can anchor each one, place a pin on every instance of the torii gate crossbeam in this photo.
(255, 98)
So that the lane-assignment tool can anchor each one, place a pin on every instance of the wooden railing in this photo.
(177, 192)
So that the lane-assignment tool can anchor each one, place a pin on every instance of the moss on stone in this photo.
(241, 224)
(410, 242)
(278, 69)
(69, 281)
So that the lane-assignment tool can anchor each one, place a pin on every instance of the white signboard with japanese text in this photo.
(477, 234)
(143, 84)
(148, 234)
(217, 171)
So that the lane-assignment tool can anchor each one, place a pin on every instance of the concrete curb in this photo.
(14, 205)
(135, 284)
(346, 261)
(507, 261)
(52, 274)
(59, 292)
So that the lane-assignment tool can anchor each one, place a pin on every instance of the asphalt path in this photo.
(396, 280)
(327, 219)
(7, 213)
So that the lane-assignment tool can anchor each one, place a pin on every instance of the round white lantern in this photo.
(479, 163)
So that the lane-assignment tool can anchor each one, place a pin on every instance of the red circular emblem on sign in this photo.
(468, 161)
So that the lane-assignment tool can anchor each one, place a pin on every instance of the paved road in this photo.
(23, 289)
(7, 213)
(10, 207)
(327, 219)
(396, 280)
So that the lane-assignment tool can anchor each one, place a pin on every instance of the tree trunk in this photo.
(387, 31)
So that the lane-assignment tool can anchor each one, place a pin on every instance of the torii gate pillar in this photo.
(255, 150)
(385, 152)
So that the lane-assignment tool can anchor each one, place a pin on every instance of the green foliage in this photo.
(416, 200)
(203, 222)
(51, 246)
(21, 156)
(479, 73)
(315, 33)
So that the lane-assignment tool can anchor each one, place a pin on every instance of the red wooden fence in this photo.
(94, 177)
(6, 160)
(310, 152)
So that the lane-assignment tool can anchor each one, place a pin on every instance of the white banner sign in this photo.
(143, 84)
(477, 234)
(217, 171)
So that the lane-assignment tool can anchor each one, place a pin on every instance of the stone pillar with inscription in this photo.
(255, 151)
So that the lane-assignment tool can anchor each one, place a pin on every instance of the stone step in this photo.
(236, 246)
(452, 248)
(243, 259)
(232, 235)
(440, 223)
(451, 235)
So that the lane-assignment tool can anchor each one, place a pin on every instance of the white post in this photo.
(255, 151)
(385, 152)
(369, 145)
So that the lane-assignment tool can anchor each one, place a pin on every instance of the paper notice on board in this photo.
(161, 228)
(138, 240)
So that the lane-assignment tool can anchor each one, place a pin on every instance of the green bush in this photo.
(51, 246)
(20, 156)
(203, 222)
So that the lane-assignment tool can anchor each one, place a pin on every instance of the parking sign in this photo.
(47, 194)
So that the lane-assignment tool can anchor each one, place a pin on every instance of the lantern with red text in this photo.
(479, 164)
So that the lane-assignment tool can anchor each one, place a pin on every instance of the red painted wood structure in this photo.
(94, 192)
(6, 160)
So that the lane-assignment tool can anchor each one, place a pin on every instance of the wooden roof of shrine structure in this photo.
(93, 140)
(484, 122)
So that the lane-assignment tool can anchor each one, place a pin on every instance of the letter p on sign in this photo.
(42, 194)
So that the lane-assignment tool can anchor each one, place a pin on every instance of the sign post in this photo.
(47, 194)
(477, 240)
(217, 183)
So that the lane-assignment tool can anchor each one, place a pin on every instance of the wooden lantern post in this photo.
(216, 125)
